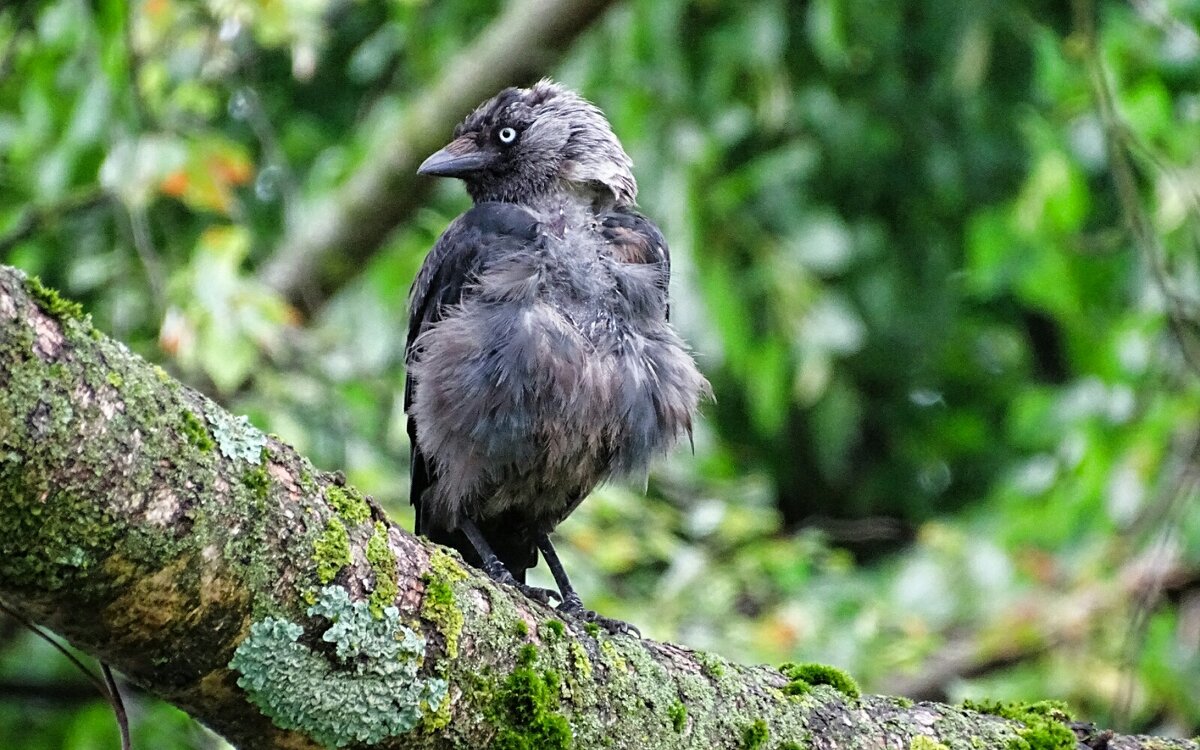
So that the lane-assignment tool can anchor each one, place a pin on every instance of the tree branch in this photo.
(355, 220)
(1044, 623)
(218, 569)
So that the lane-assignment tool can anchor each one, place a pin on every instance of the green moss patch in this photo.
(51, 302)
(331, 550)
(526, 708)
(383, 567)
(258, 481)
(803, 677)
(196, 432)
(367, 690)
(678, 715)
(755, 735)
(1045, 723)
(438, 606)
(925, 743)
(348, 504)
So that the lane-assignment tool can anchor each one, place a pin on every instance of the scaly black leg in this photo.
(571, 603)
(496, 570)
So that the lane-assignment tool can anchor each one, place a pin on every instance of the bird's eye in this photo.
(507, 135)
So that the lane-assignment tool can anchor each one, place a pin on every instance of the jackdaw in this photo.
(540, 359)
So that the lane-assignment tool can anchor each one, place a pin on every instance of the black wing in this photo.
(635, 239)
(445, 278)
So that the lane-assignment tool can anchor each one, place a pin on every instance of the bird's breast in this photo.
(557, 370)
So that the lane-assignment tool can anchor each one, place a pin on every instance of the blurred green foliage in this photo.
(956, 398)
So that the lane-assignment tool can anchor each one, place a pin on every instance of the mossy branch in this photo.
(218, 569)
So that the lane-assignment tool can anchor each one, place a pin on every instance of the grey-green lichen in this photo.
(383, 569)
(580, 660)
(331, 550)
(348, 504)
(438, 606)
(803, 677)
(1045, 723)
(236, 437)
(367, 690)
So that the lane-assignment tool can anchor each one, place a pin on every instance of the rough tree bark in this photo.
(217, 568)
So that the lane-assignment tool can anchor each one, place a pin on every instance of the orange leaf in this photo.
(175, 184)
(230, 170)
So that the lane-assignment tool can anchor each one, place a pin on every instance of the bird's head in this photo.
(523, 144)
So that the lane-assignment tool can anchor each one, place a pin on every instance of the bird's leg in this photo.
(571, 603)
(496, 570)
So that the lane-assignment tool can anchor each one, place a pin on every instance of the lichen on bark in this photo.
(370, 687)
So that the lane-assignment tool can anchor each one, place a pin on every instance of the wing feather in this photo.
(446, 278)
(635, 239)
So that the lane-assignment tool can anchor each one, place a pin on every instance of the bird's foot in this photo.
(573, 607)
(538, 595)
(498, 573)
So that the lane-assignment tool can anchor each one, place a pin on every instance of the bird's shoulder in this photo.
(482, 230)
(632, 237)
(486, 229)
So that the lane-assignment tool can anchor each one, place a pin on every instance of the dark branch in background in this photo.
(354, 222)
(1046, 623)
(34, 219)
(51, 694)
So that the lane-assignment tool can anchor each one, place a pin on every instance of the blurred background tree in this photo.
(939, 259)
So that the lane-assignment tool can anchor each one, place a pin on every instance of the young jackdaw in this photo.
(540, 357)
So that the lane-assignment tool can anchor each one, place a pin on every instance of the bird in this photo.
(540, 358)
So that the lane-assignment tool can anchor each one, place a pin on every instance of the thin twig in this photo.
(143, 244)
(1119, 140)
(107, 686)
(118, 705)
(1166, 517)
(91, 676)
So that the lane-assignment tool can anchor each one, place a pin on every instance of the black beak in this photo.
(459, 158)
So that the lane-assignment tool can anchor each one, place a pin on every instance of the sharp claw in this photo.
(574, 607)
(537, 594)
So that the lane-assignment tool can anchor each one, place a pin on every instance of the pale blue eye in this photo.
(507, 135)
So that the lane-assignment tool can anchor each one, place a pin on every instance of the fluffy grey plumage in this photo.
(540, 358)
